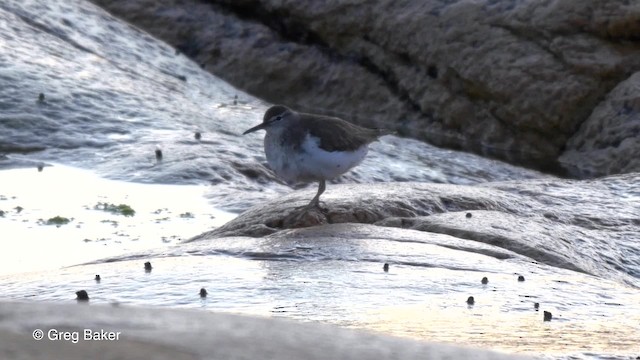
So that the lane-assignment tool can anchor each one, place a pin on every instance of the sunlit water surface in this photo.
(164, 214)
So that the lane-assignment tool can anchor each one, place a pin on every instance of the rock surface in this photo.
(189, 335)
(114, 95)
(568, 224)
(609, 141)
(505, 78)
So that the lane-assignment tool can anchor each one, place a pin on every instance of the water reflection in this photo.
(484, 325)
(410, 300)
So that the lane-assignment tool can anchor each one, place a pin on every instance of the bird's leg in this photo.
(309, 215)
(315, 202)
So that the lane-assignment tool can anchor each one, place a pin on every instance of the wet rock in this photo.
(469, 215)
(97, 278)
(403, 61)
(197, 136)
(255, 171)
(203, 293)
(158, 108)
(485, 280)
(547, 316)
(525, 217)
(536, 306)
(520, 278)
(148, 267)
(41, 98)
(300, 218)
(607, 141)
(385, 267)
(82, 295)
(179, 334)
(471, 300)
(158, 153)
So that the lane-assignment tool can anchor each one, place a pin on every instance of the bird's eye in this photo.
(279, 117)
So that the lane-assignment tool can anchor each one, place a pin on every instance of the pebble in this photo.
(471, 300)
(82, 295)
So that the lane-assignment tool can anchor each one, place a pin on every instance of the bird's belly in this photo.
(321, 164)
(311, 163)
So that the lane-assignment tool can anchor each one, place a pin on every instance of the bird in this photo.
(302, 147)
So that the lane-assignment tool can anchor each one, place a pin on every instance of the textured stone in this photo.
(189, 335)
(514, 79)
(567, 224)
(609, 141)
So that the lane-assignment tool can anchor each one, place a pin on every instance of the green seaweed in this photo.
(58, 220)
(122, 209)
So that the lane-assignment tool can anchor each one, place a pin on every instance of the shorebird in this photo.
(303, 147)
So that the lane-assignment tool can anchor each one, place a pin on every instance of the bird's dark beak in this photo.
(255, 128)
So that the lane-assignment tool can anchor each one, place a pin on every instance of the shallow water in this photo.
(113, 95)
(164, 214)
(422, 296)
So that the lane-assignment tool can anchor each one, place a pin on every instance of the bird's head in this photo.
(272, 117)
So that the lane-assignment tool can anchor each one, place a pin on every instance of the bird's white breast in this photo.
(309, 162)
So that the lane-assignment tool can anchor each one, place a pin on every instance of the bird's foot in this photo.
(313, 206)
(305, 216)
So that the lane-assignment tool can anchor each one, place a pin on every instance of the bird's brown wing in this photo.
(338, 135)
